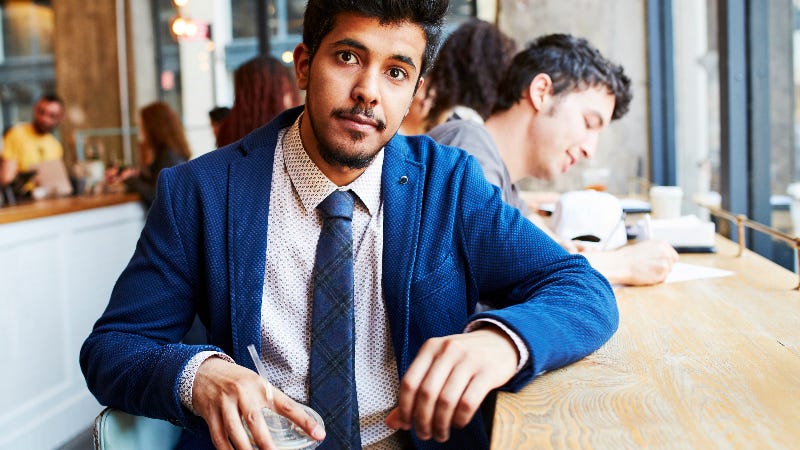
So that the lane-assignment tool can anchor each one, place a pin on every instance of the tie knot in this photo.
(338, 204)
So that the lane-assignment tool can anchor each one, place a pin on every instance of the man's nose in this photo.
(366, 89)
(589, 145)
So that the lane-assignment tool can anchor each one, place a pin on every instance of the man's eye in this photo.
(347, 57)
(397, 74)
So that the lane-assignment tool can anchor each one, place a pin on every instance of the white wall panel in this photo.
(56, 275)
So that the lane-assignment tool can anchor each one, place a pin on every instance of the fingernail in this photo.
(318, 433)
(399, 425)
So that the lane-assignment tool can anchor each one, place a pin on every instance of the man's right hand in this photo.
(224, 393)
(640, 264)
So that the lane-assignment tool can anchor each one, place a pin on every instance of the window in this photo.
(26, 58)
(285, 19)
(168, 64)
(736, 117)
(462, 9)
(696, 87)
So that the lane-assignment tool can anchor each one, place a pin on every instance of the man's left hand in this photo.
(449, 378)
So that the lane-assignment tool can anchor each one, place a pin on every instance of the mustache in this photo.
(361, 110)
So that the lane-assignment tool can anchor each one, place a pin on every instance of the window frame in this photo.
(745, 126)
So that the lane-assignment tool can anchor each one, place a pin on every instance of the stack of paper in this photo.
(686, 234)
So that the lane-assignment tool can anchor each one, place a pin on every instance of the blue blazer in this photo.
(449, 242)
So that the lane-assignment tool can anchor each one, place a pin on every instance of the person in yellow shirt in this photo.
(31, 143)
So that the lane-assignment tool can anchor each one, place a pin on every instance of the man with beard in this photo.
(28, 144)
(239, 236)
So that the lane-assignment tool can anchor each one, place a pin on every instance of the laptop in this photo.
(52, 175)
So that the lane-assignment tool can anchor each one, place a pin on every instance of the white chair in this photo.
(117, 430)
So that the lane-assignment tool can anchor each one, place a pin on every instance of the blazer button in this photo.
(403, 179)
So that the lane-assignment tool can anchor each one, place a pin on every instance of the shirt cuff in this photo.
(524, 355)
(186, 383)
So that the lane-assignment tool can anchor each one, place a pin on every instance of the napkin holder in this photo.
(687, 234)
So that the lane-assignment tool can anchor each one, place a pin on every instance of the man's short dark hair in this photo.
(572, 63)
(217, 114)
(321, 15)
(51, 98)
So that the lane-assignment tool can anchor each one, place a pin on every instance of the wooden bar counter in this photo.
(710, 363)
(56, 206)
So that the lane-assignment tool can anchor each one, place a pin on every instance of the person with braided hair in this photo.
(263, 88)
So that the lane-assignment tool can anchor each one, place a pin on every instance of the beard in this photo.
(342, 155)
(40, 128)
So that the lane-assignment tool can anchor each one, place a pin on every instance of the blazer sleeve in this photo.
(557, 303)
(133, 357)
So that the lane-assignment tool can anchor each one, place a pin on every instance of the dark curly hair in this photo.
(260, 86)
(321, 15)
(572, 63)
(468, 69)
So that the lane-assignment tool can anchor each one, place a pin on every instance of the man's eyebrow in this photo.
(348, 42)
(405, 59)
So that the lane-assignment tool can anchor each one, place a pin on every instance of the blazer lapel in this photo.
(249, 183)
(402, 185)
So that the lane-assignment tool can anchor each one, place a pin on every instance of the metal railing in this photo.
(742, 222)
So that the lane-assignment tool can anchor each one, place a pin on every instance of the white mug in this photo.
(665, 202)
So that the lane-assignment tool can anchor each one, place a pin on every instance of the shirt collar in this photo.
(312, 186)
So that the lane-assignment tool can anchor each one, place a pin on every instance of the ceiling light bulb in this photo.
(179, 26)
(191, 28)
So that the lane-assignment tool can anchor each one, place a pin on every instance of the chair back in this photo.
(117, 430)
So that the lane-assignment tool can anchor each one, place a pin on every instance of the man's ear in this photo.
(302, 65)
(420, 83)
(540, 91)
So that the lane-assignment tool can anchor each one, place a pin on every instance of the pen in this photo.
(648, 227)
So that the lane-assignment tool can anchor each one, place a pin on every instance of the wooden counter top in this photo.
(52, 207)
(709, 363)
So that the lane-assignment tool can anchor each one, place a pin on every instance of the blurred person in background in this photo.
(463, 81)
(162, 144)
(216, 116)
(28, 144)
(263, 88)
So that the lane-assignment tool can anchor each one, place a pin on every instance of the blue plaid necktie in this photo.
(332, 367)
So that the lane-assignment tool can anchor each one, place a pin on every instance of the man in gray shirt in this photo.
(473, 136)
(556, 97)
